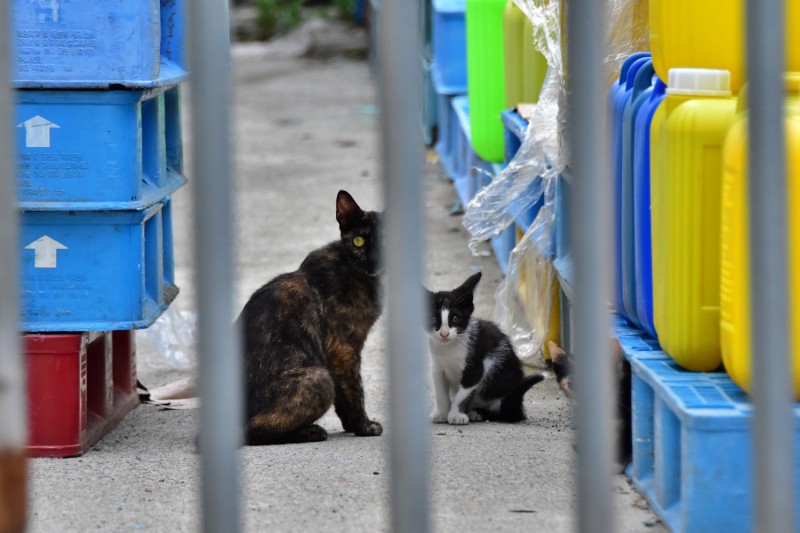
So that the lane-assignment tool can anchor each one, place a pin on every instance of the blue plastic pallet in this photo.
(98, 45)
(96, 270)
(692, 441)
(449, 36)
(96, 150)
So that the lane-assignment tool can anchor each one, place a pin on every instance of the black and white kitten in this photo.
(476, 374)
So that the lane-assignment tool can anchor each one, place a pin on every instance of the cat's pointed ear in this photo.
(470, 284)
(347, 210)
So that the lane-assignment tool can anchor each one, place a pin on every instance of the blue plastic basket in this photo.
(96, 270)
(429, 105)
(515, 127)
(98, 45)
(95, 150)
(449, 46)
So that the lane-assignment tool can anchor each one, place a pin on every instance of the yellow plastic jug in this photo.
(513, 23)
(710, 34)
(534, 65)
(528, 284)
(735, 263)
(525, 66)
(686, 178)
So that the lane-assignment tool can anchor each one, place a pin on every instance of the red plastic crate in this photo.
(80, 385)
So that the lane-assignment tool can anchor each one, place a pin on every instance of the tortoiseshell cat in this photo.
(303, 335)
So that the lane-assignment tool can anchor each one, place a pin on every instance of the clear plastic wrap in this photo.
(530, 176)
(521, 184)
(523, 299)
(628, 33)
(172, 339)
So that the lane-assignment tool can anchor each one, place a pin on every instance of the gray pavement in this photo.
(305, 129)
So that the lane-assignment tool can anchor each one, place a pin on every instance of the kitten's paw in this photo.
(370, 429)
(438, 418)
(475, 416)
(458, 419)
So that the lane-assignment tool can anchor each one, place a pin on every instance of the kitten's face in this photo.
(361, 233)
(450, 311)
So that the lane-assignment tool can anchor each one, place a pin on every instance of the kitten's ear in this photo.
(347, 210)
(557, 353)
(471, 283)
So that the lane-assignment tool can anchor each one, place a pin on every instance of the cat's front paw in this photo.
(369, 429)
(458, 419)
(475, 416)
(438, 417)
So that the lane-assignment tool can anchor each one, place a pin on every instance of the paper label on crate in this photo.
(45, 251)
(37, 131)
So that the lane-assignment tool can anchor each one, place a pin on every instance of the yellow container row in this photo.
(699, 183)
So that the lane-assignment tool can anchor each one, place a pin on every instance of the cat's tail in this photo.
(511, 409)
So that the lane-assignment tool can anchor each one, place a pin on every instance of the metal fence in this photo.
(398, 42)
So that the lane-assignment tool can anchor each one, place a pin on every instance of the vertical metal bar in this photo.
(12, 377)
(402, 152)
(769, 279)
(590, 231)
(220, 373)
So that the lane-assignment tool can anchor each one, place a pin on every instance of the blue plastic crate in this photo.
(96, 270)
(426, 28)
(563, 251)
(95, 150)
(98, 45)
(448, 131)
(449, 36)
(429, 105)
(692, 441)
(515, 127)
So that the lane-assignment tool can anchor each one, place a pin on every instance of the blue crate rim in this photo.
(170, 74)
(151, 313)
(442, 88)
(151, 196)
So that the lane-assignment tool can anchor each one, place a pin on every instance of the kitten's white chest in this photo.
(449, 358)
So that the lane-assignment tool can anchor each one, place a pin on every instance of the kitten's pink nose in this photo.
(444, 333)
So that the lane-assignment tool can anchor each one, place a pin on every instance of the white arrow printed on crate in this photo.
(44, 249)
(37, 132)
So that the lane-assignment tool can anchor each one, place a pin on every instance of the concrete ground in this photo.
(303, 130)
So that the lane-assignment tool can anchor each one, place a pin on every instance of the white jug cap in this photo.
(699, 82)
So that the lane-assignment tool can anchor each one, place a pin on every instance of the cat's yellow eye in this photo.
(359, 241)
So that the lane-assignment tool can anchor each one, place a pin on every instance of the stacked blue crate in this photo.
(448, 74)
(99, 157)
(429, 103)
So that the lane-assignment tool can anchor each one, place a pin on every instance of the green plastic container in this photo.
(513, 23)
(485, 76)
